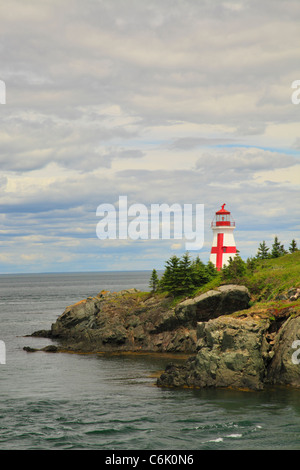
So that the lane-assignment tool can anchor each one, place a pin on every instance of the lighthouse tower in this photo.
(223, 246)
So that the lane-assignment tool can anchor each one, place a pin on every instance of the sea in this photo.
(63, 401)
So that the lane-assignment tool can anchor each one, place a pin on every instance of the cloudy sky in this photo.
(164, 101)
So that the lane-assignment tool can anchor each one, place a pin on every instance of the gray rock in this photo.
(285, 366)
(221, 301)
(230, 354)
(241, 353)
(123, 321)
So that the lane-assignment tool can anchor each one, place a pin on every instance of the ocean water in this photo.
(101, 402)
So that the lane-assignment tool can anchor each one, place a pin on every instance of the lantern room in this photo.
(223, 218)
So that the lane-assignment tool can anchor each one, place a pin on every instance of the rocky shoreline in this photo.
(238, 353)
(130, 320)
(231, 344)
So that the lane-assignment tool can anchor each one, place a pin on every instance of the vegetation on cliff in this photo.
(266, 279)
(182, 276)
(267, 276)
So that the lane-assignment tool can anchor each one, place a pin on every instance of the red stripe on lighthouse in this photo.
(220, 249)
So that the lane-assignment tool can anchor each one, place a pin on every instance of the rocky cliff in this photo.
(134, 321)
(232, 345)
(249, 350)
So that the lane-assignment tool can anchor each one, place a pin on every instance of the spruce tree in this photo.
(169, 280)
(185, 282)
(182, 275)
(211, 270)
(277, 249)
(154, 281)
(235, 269)
(200, 274)
(293, 246)
(262, 252)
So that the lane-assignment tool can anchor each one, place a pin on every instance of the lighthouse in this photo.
(223, 246)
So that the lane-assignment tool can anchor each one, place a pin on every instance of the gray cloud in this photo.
(173, 101)
(241, 163)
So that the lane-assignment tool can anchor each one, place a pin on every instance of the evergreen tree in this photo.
(185, 282)
(169, 280)
(283, 250)
(154, 281)
(211, 270)
(235, 269)
(277, 249)
(183, 276)
(262, 252)
(293, 246)
(200, 273)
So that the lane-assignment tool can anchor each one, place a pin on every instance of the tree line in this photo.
(276, 250)
(182, 276)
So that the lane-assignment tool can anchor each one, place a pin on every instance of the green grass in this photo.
(270, 278)
(274, 276)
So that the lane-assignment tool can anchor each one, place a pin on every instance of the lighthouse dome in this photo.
(223, 218)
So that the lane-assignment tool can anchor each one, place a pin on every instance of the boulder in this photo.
(212, 304)
(231, 353)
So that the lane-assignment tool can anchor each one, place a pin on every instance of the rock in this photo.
(281, 297)
(130, 320)
(50, 348)
(123, 321)
(42, 334)
(29, 349)
(230, 354)
(293, 294)
(243, 352)
(285, 366)
(221, 301)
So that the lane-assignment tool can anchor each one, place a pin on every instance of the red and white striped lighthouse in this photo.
(223, 246)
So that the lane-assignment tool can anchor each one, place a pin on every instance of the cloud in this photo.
(173, 101)
(237, 163)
